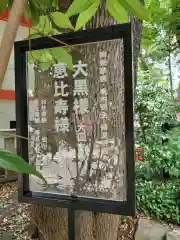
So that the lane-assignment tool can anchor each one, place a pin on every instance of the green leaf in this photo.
(44, 25)
(135, 8)
(61, 20)
(34, 13)
(3, 5)
(33, 36)
(34, 56)
(10, 3)
(117, 11)
(48, 3)
(78, 6)
(27, 12)
(43, 58)
(85, 16)
(44, 65)
(62, 55)
(46, 56)
(41, 3)
(13, 162)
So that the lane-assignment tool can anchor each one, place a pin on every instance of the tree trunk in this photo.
(175, 12)
(52, 222)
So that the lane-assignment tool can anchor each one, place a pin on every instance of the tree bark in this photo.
(51, 222)
(9, 36)
(176, 12)
(89, 226)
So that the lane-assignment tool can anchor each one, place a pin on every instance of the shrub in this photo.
(161, 160)
(159, 199)
(158, 176)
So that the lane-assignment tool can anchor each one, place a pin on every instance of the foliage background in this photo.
(157, 177)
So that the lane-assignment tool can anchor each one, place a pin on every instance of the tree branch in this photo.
(9, 36)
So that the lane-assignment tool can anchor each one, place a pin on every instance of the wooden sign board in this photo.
(79, 121)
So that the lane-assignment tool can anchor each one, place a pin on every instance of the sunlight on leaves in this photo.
(27, 12)
(135, 8)
(78, 7)
(46, 58)
(61, 20)
(117, 11)
(62, 55)
(85, 16)
(34, 13)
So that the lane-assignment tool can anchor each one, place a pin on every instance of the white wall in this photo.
(7, 113)
(7, 108)
(9, 77)
(4, 135)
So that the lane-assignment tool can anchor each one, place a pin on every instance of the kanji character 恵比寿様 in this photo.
(60, 70)
(62, 88)
(62, 125)
(80, 87)
(80, 69)
(61, 106)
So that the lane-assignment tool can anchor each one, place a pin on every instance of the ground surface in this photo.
(13, 215)
(14, 218)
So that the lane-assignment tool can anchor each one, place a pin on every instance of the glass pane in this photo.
(76, 120)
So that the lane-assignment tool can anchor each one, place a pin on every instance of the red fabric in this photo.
(4, 16)
(139, 154)
(9, 95)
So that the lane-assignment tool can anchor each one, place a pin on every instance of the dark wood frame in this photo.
(76, 203)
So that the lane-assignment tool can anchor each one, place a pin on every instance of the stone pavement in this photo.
(153, 230)
(173, 235)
